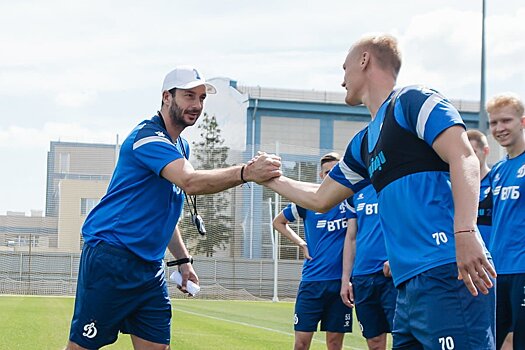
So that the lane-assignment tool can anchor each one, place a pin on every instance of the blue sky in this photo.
(89, 70)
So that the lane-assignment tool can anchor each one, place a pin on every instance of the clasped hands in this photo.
(263, 167)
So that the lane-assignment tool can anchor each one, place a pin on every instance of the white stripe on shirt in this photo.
(295, 213)
(149, 139)
(349, 174)
(424, 113)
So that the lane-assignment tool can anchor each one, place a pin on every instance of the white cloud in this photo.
(15, 137)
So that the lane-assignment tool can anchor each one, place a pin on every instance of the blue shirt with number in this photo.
(413, 183)
(325, 235)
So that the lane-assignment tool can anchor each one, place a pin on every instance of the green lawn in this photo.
(43, 323)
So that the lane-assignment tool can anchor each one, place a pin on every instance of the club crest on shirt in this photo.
(521, 172)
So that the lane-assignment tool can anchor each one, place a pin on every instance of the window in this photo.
(63, 162)
(87, 204)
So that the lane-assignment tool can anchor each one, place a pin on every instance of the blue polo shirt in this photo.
(140, 209)
(507, 244)
(413, 183)
(325, 235)
(370, 252)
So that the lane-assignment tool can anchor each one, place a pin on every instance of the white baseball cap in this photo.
(186, 77)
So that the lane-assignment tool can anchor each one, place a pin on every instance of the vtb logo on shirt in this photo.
(369, 208)
(507, 192)
(332, 225)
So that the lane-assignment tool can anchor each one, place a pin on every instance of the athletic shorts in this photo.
(435, 311)
(375, 303)
(117, 291)
(320, 301)
(510, 309)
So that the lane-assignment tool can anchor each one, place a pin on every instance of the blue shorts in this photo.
(510, 309)
(435, 310)
(117, 291)
(320, 301)
(375, 303)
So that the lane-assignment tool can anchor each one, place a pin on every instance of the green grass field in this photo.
(43, 323)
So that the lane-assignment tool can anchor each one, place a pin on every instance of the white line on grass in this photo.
(254, 326)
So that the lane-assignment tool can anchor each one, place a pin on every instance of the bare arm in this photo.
(320, 198)
(454, 148)
(280, 223)
(182, 173)
(177, 247)
(347, 292)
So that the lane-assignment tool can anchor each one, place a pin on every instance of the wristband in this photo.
(465, 231)
(242, 174)
(180, 261)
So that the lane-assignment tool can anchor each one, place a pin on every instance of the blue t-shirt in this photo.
(370, 252)
(325, 235)
(507, 244)
(140, 209)
(417, 208)
(485, 210)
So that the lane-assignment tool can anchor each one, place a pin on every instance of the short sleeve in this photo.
(351, 171)
(426, 113)
(154, 149)
(291, 212)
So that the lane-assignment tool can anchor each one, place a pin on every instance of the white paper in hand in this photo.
(191, 287)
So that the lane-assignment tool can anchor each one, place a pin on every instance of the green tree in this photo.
(211, 153)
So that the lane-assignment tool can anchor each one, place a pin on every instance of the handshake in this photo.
(262, 168)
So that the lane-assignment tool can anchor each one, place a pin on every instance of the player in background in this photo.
(121, 284)
(318, 295)
(371, 288)
(416, 153)
(507, 123)
(480, 144)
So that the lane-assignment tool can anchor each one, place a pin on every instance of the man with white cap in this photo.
(121, 284)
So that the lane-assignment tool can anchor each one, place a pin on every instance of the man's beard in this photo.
(176, 115)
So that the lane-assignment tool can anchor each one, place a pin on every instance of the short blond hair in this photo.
(506, 99)
(478, 136)
(385, 50)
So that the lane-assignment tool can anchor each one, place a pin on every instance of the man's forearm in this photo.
(320, 198)
(464, 175)
(176, 245)
(349, 250)
(285, 230)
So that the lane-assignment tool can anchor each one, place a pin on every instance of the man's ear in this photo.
(365, 59)
(166, 97)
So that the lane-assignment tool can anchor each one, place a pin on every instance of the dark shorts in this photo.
(117, 291)
(435, 310)
(375, 303)
(321, 301)
(510, 309)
